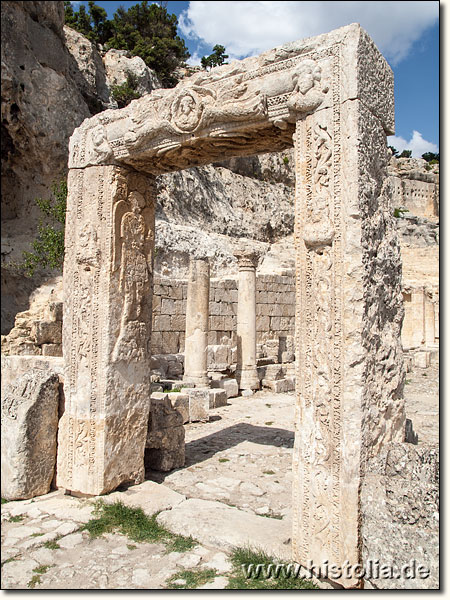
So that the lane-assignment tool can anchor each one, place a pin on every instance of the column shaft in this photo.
(197, 318)
(246, 371)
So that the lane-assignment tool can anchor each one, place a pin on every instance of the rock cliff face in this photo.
(52, 79)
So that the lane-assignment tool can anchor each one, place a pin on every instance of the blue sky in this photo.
(406, 32)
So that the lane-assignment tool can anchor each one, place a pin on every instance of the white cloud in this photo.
(417, 144)
(248, 28)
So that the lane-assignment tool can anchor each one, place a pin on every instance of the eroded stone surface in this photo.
(107, 311)
(29, 428)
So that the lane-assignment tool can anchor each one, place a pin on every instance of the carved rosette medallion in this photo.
(319, 330)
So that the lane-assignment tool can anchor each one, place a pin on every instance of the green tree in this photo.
(48, 247)
(215, 59)
(393, 150)
(93, 24)
(145, 29)
(406, 154)
(125, 93)
(149, 31)
(431, 156)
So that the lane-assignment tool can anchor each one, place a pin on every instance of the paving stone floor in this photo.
(238, 468)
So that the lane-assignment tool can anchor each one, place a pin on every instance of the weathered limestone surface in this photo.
(107, 312)
(29, 428)
(197, 317)
(400, 514)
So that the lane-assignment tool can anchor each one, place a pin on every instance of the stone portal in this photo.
(332, 98)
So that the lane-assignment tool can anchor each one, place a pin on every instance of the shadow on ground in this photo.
(203, 448)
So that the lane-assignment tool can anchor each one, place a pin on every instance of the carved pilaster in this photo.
(106, 340)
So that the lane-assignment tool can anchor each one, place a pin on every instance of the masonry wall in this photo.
(421, 198)
(275, 311)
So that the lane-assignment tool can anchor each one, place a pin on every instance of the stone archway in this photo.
(332, 98)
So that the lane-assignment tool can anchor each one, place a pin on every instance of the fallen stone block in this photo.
(422, 360)
(230, 386)
(47, 332)
(180, 402)
(29, 431)
(217, 398)
(279, 386)
(52, 350)
(165, 445)
(198, 404)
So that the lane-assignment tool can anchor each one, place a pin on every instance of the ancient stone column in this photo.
(197, 317)
(246, 372)
(418, 316)
(429, 320)
(349, 304)
(107, 324)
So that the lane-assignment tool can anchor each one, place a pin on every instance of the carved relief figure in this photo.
(187, 111)
(318, 230)
(133, 280)
(307, 95)
(98, 148)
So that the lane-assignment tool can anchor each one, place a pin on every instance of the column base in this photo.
(197, 382)
(248, 379)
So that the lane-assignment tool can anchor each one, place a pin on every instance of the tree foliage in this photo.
(48, 247)
(145, 29)
(393, 150)
(431, 157)
(215, 59)
(125, 93)
(406, 154)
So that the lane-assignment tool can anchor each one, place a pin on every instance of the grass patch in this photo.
(42, 569)
(136, 525)
(16, 519)
(247, 556)
(4, 500)
(271, 515)
(36, 534)
(268, 423)
(224, 460)
(193, 579)
(34, 581)
(131, 547)
(51, 545)
(8, 560)
(269, 472)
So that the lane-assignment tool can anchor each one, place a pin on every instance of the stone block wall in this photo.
(421, 321)
(275, 312)
(419, 197)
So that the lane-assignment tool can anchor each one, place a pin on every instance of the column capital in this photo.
(247, 258)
